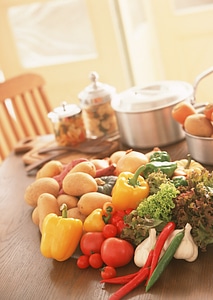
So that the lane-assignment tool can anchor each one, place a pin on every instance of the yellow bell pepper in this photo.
(129, 190)
(94, 221)
(60, 235)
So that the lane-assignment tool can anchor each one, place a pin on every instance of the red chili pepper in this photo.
(126, 278)
(148, 262)
(129, 286)
(167, 230)
(120, 279)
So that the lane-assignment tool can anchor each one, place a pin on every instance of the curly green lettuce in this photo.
(191, 204)
(154, 181)
(159, 206)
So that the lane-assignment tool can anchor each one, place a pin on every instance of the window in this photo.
(183, 4)
(49, 33)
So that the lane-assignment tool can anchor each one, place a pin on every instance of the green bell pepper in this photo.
(166, 167)
(160, 156)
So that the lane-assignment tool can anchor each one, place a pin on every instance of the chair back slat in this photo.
(24, 105)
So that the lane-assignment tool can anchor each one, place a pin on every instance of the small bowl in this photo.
(200, 148)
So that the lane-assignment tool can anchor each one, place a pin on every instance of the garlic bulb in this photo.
(143, 249)
(187, 250)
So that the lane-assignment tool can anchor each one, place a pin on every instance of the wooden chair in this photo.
(23, 110)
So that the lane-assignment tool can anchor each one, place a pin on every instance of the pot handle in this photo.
(199, 78)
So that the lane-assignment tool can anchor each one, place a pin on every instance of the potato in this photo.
(101, 163)
(75, 213)
(50, 169)
(84, 166)
(69, 200)
(35, 217)
(38, 187)
(47, 204)
(79, 183)
(90, 201)
(198, 125)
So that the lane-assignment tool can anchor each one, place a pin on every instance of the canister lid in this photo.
(63, 111)
(153, 96)
(96, 92)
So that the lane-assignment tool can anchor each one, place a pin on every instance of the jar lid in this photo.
(96, 92)
(63, 111)
(152, 97)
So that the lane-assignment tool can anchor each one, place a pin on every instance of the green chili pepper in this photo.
(180, 180)
(165, 259)
(160, 156)
(166, 167)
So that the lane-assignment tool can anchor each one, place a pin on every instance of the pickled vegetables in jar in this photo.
(68, 125)
(98, 114)
(100, 119)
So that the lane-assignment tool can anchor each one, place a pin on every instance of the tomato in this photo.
(91, 242)
(95, 260)
(208, 110)
(109, 230)
(116, 252)
(83, 262)
(108, 272)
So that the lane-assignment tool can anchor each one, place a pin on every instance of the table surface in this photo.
(26, 274)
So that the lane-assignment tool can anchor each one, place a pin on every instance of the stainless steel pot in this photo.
(144, 113)
(200, 148)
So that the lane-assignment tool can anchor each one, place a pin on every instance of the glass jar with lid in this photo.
(68, 124)
(99, 117)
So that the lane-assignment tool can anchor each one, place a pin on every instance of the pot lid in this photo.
(154, 96)
(63, 111)
(96, 90)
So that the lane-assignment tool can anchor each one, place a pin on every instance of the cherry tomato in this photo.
(83, 262)
(91, 242)
(116, 252)
(95, 260)
(108, 272)
(109, 230)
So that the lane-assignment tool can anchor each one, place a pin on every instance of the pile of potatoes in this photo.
(198, 124)
(78, 191)
(76, 184)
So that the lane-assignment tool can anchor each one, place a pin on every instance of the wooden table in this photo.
(26, 274)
